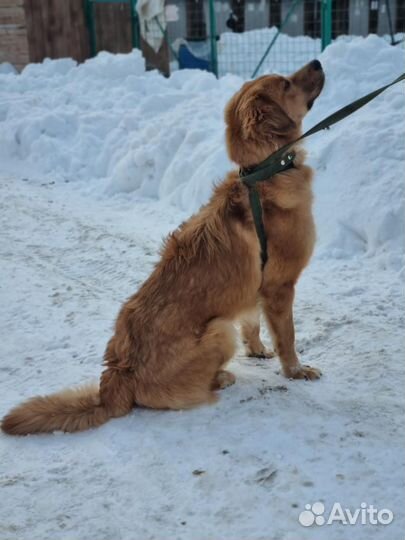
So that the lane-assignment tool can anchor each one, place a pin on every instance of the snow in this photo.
(359, 162)
(97, 163)
(6, 68)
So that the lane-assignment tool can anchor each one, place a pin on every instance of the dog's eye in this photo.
(287, 84)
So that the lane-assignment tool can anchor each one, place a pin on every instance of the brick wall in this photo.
(13, 33)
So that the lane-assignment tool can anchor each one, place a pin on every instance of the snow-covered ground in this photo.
(97, 163)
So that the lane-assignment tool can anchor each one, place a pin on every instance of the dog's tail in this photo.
(70, 410)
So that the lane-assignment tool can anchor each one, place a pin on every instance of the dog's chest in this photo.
(290, 234)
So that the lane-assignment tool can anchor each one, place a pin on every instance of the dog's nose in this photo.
(316, 65)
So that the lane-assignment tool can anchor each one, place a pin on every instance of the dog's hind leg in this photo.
(202, 374)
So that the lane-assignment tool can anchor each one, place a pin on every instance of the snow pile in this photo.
(6, 68)
(241, 53)
(117, 129)
(360, 162)
(109, 120)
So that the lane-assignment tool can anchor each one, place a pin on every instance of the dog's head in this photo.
(267, 113)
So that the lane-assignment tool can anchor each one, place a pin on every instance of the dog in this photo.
(175, 336)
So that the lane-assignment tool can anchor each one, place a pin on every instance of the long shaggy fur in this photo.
(173, 338)
(69, 410)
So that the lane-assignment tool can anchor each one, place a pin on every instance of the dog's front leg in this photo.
(277, 301)
(250, 327)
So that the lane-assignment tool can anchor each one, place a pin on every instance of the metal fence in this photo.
(245, 37)
(249, 37)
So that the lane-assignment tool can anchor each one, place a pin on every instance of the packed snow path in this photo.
(241, 469)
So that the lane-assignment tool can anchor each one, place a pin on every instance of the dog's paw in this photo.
(258, 351)
(223, 379)
(303, 372)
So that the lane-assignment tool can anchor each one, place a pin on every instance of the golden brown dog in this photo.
(174, 337)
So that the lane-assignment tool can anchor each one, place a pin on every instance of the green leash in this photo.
(283, 159)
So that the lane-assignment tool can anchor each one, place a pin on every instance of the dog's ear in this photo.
(262, 117)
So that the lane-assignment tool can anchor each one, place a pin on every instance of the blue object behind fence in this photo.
(187, 60)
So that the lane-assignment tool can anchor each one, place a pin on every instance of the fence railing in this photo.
(256, 36)
(245, 37)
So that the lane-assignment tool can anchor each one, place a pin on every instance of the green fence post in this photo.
(89, 7)
(213, 39)
(326, 25)
(282, 25)
(136, 42)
